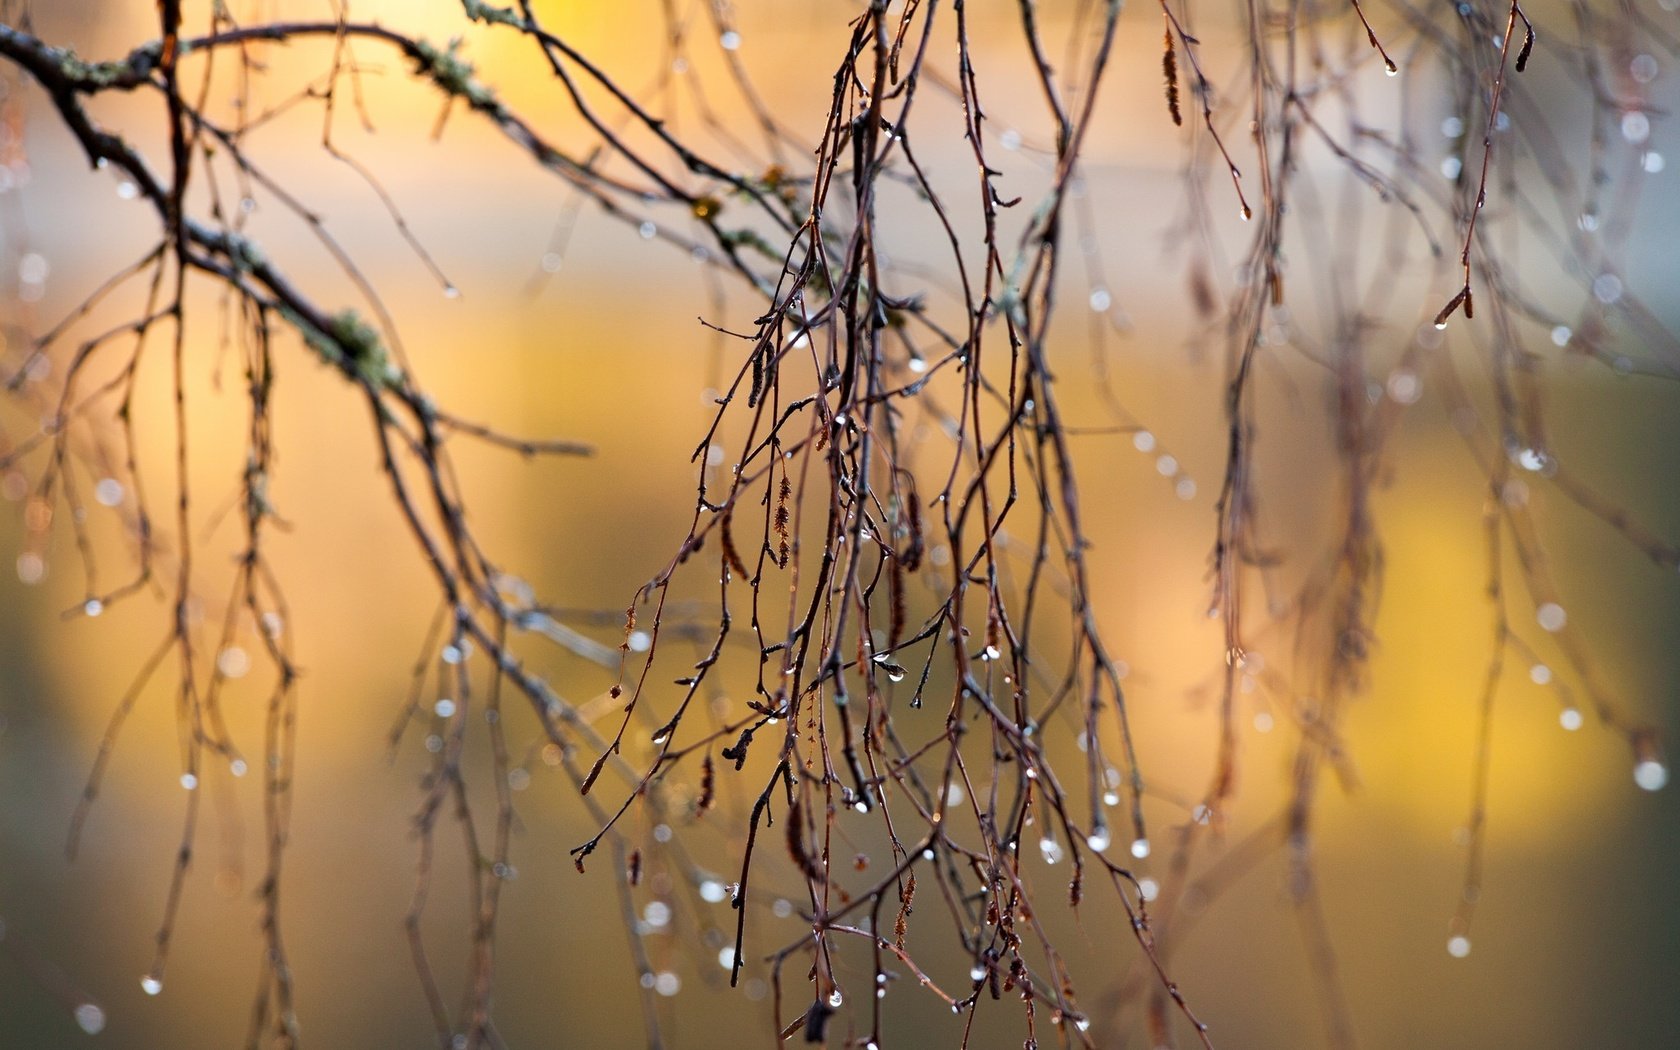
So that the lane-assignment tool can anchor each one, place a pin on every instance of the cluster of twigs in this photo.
(889, 503)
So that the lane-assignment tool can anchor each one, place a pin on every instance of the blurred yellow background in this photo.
(1576, 938)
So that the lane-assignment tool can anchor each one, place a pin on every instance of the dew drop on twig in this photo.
(91, 1018)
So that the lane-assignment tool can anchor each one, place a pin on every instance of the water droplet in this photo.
(1051, 849)
(1201, 814)
(1652, 162)
(127, 190)
(1458, 946)
(233, 662)
(991, 653)
(1636, 126)
(1140, 848)
(238, 767)
(1404, 387)
(1540, 674)
(1084, 1023)
(927, 854)
(954, 795)
(1643, 68)
(1392, 71)
(1111, 798)
(726, 958)
(712, 891)
(730, 40)
(93, 607)
(1650, 774)
(151, 985)
(1531, 459)
(434, 743)
(91, 1018)
(1452, 127)
(1588, 221)
(640, 641)
(977, 972)
(1166, 466)
(1185, 489)
(918, 365)
(1570, 719)
(835, 999)
(1099, 839)
(444, 708)
(1560, 335)
(1101, 300)
(1143, 441)
(450, 654)
(1148, 888)
(1607, 288)
(1551, 617)
(647, 230)
(189, 781)
(1451, 167)
(451, 292)
(667, 983)
(1440, 326)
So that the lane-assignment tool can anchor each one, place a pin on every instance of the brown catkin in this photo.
(1169, 67)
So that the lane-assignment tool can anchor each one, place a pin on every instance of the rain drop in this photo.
(1098, 839)
(108, 491)
(1551, 617)
(189, 781)
(238, 767)
(444, 708)
(233, 662)
(1540, 674)
(91, 1018)
(1140, 848)
(151, 985)
(1650, 774)
(1458, 946)
(1149, 889)
(1051, 849)
(730, 40)
(639, 641)
(93, 607)
(712, 891)
(1143, 441)
(1570, 719)
(1560, 335)
(1101, 300)
(835, 999)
